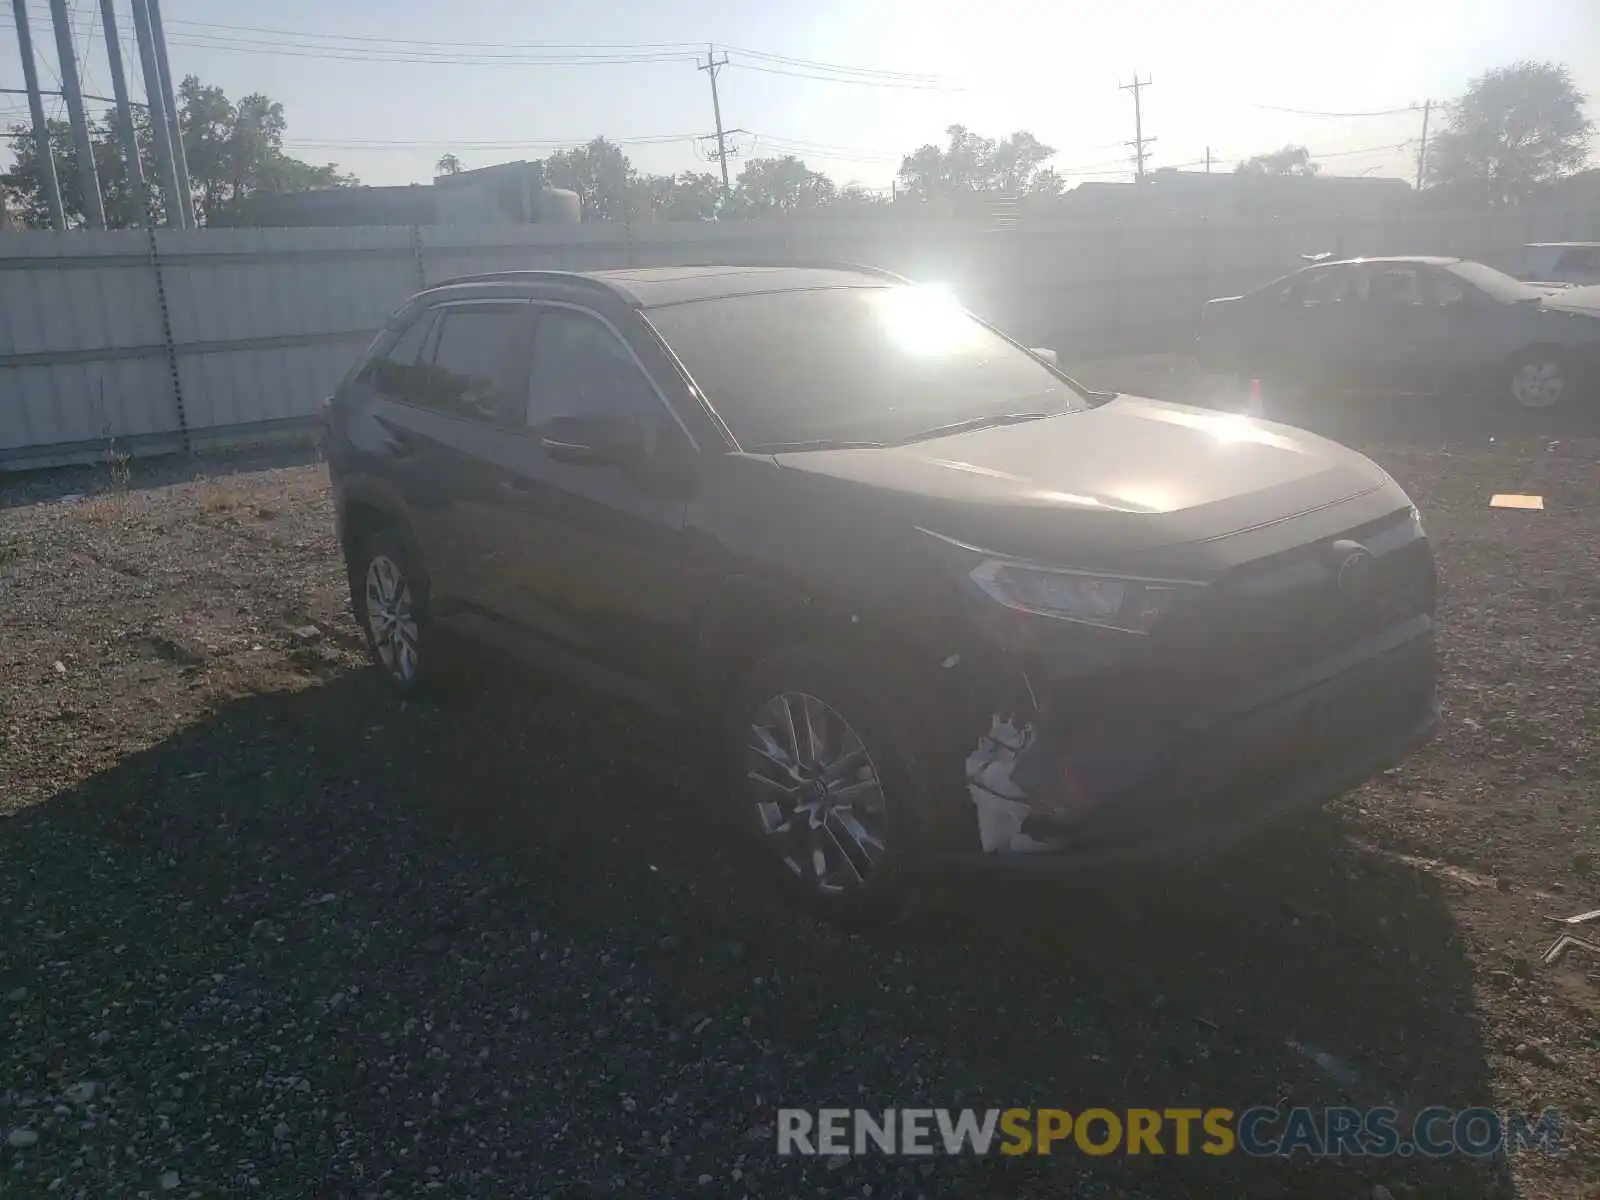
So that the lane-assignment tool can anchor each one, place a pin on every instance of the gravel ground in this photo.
(266, 931)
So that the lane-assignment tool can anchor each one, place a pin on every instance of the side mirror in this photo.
(592, 441)
(1044, 352)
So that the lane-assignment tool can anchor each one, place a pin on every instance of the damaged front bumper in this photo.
(1049, 790)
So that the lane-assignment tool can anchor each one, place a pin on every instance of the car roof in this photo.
(654, 287)
(1428, 260)
(651, 287)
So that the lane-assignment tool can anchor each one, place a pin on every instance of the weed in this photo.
(214, 497)
(117, 464)
(106, 508)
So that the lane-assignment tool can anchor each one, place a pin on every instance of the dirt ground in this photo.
(266, 931)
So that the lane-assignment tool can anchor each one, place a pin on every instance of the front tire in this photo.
(389, 594)
(1540, 378)
(823, 785)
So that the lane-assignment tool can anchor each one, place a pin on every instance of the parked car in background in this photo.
(1406, 326)
(934, 602)
(1573, 263)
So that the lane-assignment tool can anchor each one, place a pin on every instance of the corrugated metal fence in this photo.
(171, 339)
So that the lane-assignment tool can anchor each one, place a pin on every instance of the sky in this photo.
(385, 87)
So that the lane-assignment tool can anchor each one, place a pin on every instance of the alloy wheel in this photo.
(392, 619)
(1538, 384)
(817, 794)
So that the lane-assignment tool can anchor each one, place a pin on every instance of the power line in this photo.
(814, 64)
(360, 47)
(315, 35)
(1392, 148)
(361, 54)
(1110, 167)
(671, 48)
(1306, 112)
(482, 144)
(878, 83)
(852, 154)
(241, 45)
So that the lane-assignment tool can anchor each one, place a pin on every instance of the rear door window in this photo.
(391, 371)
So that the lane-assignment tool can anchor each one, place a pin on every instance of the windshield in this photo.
(852, 364)
(1497, 284)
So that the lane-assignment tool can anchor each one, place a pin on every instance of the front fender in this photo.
(364, 502)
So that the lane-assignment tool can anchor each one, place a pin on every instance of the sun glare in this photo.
(925, 320)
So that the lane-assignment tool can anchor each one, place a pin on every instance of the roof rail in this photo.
(813, 264)
(581, 277)
(516, 276)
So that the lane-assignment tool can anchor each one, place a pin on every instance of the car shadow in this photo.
(1300, 971)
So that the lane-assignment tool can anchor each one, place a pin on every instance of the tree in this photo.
(963, 166)
(23, 185)
(1291, 160)
(1515, 129)
(1047, 183)
(780, 187)
(601, 175)
(233, 151)
(969, 164)
(854, 198)
(1017, 161)
(690, 196)
(448, 164)
(236, 150)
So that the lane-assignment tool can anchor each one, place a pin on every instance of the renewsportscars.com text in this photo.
(1260, 1132)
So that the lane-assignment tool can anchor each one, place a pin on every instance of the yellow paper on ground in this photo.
(1511, 500)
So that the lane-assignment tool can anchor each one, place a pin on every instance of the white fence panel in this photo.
(250, 328)
(81, 343)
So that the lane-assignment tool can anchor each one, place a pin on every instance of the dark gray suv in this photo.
(936, 603)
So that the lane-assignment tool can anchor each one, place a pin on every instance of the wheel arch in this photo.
(748, 619)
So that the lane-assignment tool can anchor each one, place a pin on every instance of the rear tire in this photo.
(822, 783)
(389, 593)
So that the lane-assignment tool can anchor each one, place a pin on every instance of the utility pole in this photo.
(710, 66)
(1208, 160)
(1139, 140)
(130, 136)
(180, 160)
(1422, 152)
(94, 210)
(171, 193)
(41, 130)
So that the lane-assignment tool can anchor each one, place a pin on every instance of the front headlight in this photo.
(1112, 602)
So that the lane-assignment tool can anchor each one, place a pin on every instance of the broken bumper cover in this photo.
(1177, 791)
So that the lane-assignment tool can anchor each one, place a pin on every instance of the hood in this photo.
(1128, 476)
(1584, 300)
